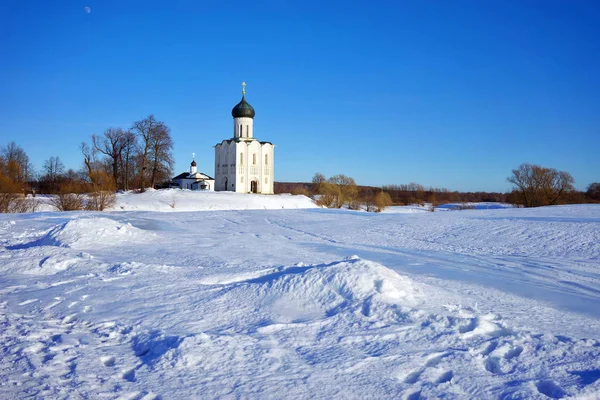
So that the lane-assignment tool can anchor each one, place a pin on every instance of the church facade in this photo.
(243, 164)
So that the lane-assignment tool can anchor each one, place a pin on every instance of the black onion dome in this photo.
(193, 163)
(243, 110)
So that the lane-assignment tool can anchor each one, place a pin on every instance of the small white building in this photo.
(242, 163)
(193, 180)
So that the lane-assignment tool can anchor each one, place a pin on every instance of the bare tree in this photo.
(16, 163)
(149, 130)
(128, 158)
(161, 155)
(539, 186)
(593, 191)
(111, 144)
(15, 172)
(11, 199)
(89, 158)
(317, 181)
(52, 170)
(348, 191)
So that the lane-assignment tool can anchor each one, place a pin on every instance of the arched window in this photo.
(254, 159)
(266, 159)
(241, 158)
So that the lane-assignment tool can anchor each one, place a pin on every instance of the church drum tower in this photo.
(242, 163)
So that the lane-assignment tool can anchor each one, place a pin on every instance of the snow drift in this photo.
(298, 293)
(94, 232)
(170, 200)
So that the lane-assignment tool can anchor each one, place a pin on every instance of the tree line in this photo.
(534, 186)
(118, 159)
(338, 191)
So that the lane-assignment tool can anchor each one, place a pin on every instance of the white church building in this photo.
(242, 163)
(193, 180)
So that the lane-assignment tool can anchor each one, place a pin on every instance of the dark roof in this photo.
(193, 163)
(243, 109)
(182, 176)
(185, 175)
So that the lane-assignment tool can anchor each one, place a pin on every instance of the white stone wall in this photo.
(190, 184)
(225, 166)
(242, 163)
(243, 128)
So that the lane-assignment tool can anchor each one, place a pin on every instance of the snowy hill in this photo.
(299, 303)
(176, 200)
(187, 200)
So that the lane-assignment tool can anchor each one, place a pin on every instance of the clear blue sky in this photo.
(450, 94)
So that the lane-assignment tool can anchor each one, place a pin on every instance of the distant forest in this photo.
(413, 193)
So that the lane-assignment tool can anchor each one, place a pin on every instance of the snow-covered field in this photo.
(176, 200)
(299, 302)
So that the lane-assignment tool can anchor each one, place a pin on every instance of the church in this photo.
(193, 180)
(243, 164)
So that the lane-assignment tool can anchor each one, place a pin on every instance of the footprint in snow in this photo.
(435, 359)
(432, 361)
(128, 374)
(445, 377)
(493, 363)
(413, 377)
(488, 348)
(550, 389)
(514, 352)
(416, 395)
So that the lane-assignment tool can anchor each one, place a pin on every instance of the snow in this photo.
(246, 299)
(187, 200)
(175, 200)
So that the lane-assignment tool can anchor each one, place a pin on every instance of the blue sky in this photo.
(449, 94)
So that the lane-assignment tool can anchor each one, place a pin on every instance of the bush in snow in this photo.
(70, 197)
(382, 200)
(337, 191)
